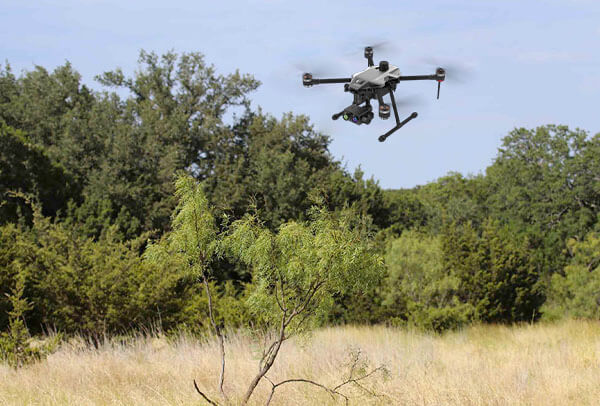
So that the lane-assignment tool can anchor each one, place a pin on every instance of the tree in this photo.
(120, 150)
(453, 198)
(576, 291)
(496, 273)
(268, 164)
(418, 290)
(365, 196)
(544, 181)
(277, 165)
(193, 243)
(298, 269)
(169, 122)
(45, 104)
(179, 101)
(25, 168)
(295, 270)
(406, 210)
(122, 153)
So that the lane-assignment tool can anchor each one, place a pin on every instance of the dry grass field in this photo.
(543, 364)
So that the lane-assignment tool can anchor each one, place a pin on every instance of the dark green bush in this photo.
(418, 290)
(495, 269)
(77, 284)
(576, 293)
(16, 346)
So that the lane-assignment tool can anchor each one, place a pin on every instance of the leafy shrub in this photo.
(576, 293)
(418, 290)
(496, 272)
(16, 347)
(79, 285)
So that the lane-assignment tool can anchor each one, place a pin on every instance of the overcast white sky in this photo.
(532, 63)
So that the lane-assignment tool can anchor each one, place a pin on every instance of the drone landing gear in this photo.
(399, 124)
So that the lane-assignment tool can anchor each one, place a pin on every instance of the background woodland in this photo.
(87, 180)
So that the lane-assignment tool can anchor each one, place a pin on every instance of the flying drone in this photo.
(374, 83)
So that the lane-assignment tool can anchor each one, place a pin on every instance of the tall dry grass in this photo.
(557, 364)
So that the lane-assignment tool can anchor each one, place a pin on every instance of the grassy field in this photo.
(544, 364)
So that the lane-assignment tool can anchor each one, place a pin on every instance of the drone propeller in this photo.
(317, 69)
(379, 46)
(455, 72)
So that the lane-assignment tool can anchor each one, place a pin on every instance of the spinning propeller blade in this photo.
(455, 72)
(316, 69)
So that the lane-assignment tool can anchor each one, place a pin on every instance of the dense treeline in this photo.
(87, 179)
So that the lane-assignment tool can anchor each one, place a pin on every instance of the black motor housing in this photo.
(384, 111)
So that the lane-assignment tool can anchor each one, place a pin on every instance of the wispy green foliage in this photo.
(294, 270)
(193, 248)
(297, 269)
(193, 239)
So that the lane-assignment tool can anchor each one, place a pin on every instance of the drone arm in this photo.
(418, 77)
(336, 80)
(308, 80)
(439, 76)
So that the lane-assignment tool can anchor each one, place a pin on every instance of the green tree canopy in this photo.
(545, 181)
(25, 168)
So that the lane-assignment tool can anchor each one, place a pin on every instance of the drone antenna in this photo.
(439, 85)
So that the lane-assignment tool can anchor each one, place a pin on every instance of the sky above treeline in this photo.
(522, 64)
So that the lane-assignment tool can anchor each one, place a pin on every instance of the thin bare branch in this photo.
(203, 395)
(219, 337)
(331, 392)
(303, 305)
(279, 303)
(266, 354)
(305, 317)
(268, 361)
(356, 380)
(281, 286)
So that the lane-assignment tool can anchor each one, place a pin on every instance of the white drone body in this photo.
(373, 77)
(373, 83)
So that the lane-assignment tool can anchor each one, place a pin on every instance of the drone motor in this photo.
(307, 79)
(384, 111)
